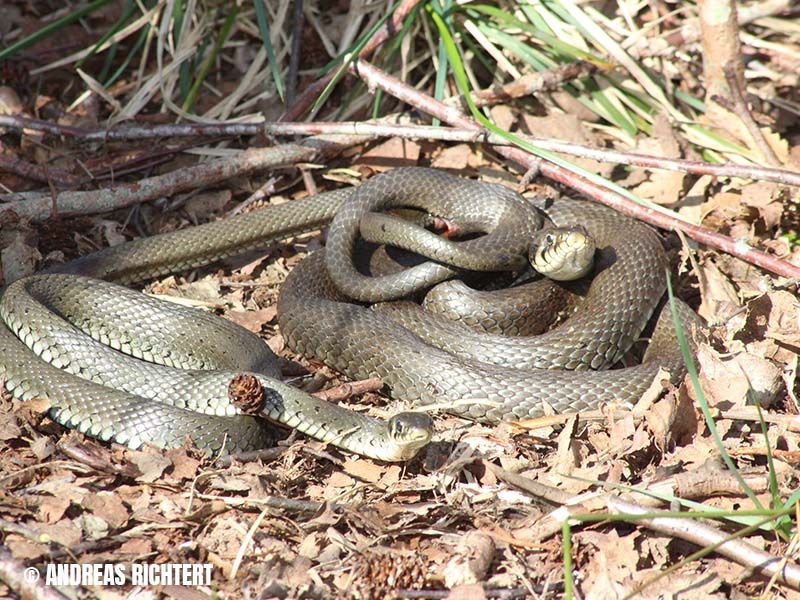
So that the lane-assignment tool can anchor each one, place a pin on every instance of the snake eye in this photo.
(549, 238)
(398, 427)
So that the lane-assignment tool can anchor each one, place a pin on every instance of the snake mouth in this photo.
(562, 253)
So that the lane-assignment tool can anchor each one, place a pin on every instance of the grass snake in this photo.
(90, 334)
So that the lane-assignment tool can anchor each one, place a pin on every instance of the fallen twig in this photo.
(38, 207)
(715, 540)
(373, 130)
(738, 106)
(530, 84)
(454, 134)
(21, 583)
(350, 389)
(374, 77)
(41, 173)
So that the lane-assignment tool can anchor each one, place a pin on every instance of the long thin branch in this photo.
(38, 207)
(525, 86)
(374, 77)
(692, 530)
(70, 203)
(131, 132)
(35, 172)
(529, 84)
(453, 134)
(423, 132)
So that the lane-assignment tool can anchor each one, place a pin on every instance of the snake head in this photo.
(562, 253)
(408, 432)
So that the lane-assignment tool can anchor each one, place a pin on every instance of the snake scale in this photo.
(78, 324)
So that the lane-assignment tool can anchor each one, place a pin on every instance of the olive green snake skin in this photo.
(320, 316)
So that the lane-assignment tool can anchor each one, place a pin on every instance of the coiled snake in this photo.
(77, 324)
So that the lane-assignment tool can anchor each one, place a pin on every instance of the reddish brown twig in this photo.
(453, 134)
(131, 132)
(38, 207)
(374, 77)
(350, 389)
(57, 177)
(739, 107)
(312, 92)
(372, 130)
(529, 84)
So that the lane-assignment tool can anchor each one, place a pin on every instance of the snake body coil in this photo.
(319, 319)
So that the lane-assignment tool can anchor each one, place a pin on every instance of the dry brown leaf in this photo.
(9, 423)
(503, 116)
(43, 447)
(340, 480)
(63, 532)
(108, 507)
(659, 421)
(568, 128)
(719, 296)
(457, 158)
(363, 469)
(25, 549)
(150, 465)
(19, 258)
(253, 320)
(765, 196)
(732, 381)
(206, 204)
(52, 508)
(183, 465)
(393, 153)
(662, 187)
(614, 565)
(470, 561)
(567, 456)
(136, 547)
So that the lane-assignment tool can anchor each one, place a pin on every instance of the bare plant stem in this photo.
(37, 172)
(739, 107)
(716, 540)
(374, 130)
(375, 78)
(529, 84)
(453, 134)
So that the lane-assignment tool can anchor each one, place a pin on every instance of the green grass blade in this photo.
(688, 359)
(140, 40)
(390, 51)
(525, 53)
(184, 74)
(442, 7)
(263, 29)
(346, 58)
(211, 57)
(52, 28)
(463, 86)
(127, 13)
(566, 553)
(561, 48)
